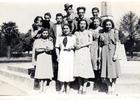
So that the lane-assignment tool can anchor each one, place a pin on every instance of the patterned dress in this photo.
(109, 68)
(83, 66)
(94, 48)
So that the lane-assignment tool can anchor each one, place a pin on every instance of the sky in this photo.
(23, 13)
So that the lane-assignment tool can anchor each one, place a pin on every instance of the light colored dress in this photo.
(94, 48)
(66, 59)
(44, 68)
(83, 66)
(109, 68)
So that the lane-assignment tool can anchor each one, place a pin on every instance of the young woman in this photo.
(65, 56)
(36, 26)
(110, 69)
(95, 50)
(83, 67)
(42, 48)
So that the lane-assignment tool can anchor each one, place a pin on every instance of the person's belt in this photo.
(48, 52)
(67, 49)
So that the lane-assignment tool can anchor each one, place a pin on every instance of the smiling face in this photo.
(45, 34)
(96, 23)
(39, 21)
(59, 19)
(81, 13)
(47, 17)
(82, 25)
(66, 30)
(108, 26)
(95, 13)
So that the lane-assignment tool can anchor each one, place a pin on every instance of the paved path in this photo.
(6, 90)
(128, 89)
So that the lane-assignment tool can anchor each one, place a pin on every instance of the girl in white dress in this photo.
(83, 67)
(65, 54)
(42, 48)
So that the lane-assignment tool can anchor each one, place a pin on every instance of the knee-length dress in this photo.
(94, 48)
(44, 69)
(66, 58)
(83, 66)
(109, 68)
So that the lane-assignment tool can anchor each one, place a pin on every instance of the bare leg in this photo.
(45, 87)
(85, 81)
(110, 87)
(113, 84)
(41, 86)
(67, 87)
(80, 85)
(62, 87)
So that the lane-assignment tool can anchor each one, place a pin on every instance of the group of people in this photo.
(75, 48)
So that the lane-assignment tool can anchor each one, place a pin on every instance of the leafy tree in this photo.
(128, 25)
(28, 42)
(137, 34)
(2, 45)
(11, 34)
(137, 37)
(24, 43)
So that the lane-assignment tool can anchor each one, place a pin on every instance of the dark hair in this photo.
(95, 8)
(48, 13)
(66, 24)
(37, 17)
(59, 14)
(78, 25)
(100, 20)
(105, 21)
(42, 30)
(81, 8)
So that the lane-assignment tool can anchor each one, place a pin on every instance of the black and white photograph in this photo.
(68, 49)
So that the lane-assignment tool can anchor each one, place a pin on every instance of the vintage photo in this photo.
(70, 49)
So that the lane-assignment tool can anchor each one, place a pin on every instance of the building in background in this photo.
(106, 11)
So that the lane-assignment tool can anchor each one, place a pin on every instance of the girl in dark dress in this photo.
(110, 68)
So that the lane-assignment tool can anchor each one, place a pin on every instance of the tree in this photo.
(24, 43)
(18, 47)
(137, 34)
(28, 41)
(10, 32)
(128, 25)
(2, 45)
(137, 37)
